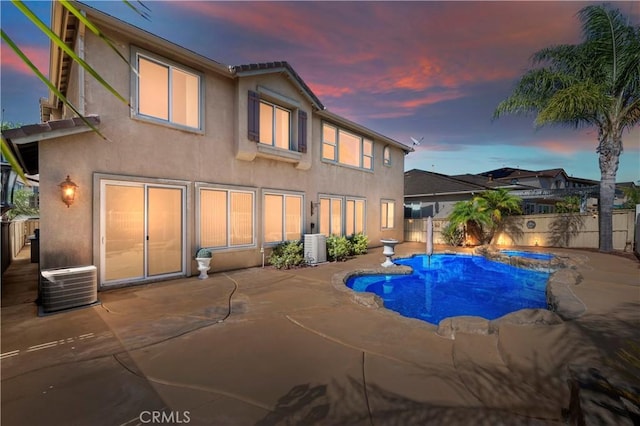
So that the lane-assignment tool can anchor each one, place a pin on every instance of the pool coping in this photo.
(563, 304)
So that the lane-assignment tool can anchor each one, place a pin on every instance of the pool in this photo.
(528, 254)
(455, 285)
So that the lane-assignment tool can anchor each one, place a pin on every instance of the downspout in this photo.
(81, 72)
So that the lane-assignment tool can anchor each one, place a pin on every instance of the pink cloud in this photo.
(328, 90)
(38, 55)
(382, 47)
(564, 147)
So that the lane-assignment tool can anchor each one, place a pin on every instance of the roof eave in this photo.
(282, 67)
(23, 141)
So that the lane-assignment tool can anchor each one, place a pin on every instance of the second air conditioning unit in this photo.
(315, 248)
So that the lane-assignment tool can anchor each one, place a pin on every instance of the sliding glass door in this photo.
(142, 231)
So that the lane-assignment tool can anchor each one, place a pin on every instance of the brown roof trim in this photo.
(23, 141)
(276, 67)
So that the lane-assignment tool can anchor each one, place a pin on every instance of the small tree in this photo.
(632, 197)
(498, 204)
(22, 204)
(471, 217)
(569, 204)
(452, 234)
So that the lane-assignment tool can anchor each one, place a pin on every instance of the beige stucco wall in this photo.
(145, 151)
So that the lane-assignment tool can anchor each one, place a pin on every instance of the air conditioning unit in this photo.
(315, 248)
(65, 288)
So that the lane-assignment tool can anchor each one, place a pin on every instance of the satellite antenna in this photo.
(415, 141)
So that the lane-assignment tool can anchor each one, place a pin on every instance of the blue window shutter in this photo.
(302, 131)
(254, 116)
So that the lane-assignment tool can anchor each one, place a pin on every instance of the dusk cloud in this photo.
(405, 69)
(38, 55)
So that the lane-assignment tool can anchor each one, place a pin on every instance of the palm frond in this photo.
(46, 81)
(532, 93)
(88, 24)
(631, 114)
(577, 104)
(62, 45)
(8, 155)
(143, 10)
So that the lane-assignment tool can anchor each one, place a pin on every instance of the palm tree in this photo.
(471, 217)
(595, 83)
(497, 204)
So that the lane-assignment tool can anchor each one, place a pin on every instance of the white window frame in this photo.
(343, 199)
(336, 146)
(386, 155)
(274, 121)
(364, 218)
(387, 202)
(228, 190)
(284, 195)
(137, 53)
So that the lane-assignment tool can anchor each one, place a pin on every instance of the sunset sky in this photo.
(432, 70)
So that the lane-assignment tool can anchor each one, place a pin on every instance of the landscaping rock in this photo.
(448, 327)
(562, 301)
(369, 300)
(526, 317)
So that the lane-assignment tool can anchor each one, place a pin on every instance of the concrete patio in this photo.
(269, 347)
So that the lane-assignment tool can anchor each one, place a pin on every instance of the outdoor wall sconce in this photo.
(314, 206)
(68, 188)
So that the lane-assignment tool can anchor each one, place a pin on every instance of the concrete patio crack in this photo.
(350, 346)
(366, 393)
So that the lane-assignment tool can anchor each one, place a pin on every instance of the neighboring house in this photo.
(237, 159)
(549, 187)
(434, 194)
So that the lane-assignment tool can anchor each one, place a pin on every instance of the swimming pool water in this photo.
(528, 254)
(455, 285)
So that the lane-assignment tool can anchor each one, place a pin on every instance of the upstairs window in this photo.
(274, 125)
(386, 156)
(341, 146)
(166, 92)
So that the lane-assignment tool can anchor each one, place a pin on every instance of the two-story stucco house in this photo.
(236, 159)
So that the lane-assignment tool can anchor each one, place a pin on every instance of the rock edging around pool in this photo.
(562, 302)
(369, 300)
(560, 298)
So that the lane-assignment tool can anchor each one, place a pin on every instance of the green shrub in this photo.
(359, 244)
(338, 248)
(287, 255)
(452, 234)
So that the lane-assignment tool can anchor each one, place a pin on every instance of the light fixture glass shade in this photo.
(68, 188)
